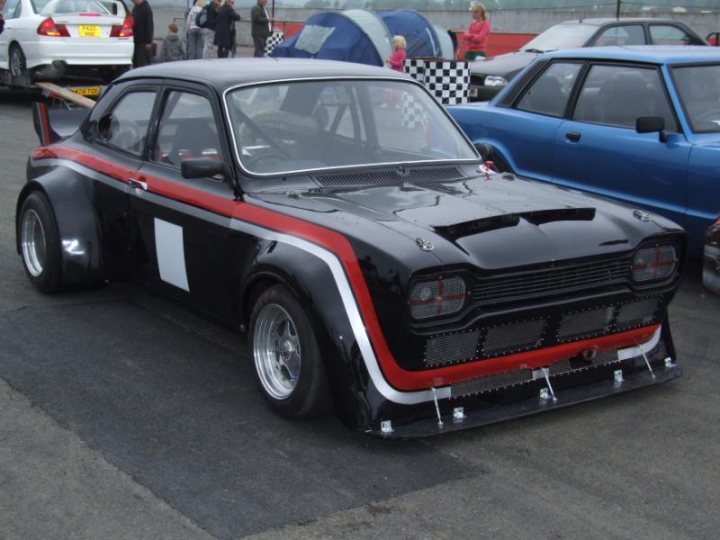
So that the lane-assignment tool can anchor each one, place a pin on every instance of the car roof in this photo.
(228, 72)
(655, 54)
(600, 21)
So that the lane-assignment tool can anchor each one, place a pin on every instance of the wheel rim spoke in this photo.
(33, 243)
(276, 351)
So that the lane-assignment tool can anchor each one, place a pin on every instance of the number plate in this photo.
(87, 91)
(86, 30)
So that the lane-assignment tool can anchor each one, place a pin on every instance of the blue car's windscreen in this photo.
(296, 126)
(699, 90)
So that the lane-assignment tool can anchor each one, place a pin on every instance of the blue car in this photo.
(639, 124)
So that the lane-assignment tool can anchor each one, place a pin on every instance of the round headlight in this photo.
(442, 296)
(654, 263)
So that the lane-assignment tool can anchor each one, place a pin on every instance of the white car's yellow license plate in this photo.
(86, 30)
(88, 91)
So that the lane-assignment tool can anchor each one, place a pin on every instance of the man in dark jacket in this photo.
(260, 27)
(143, 32)
(208, 31)
(225, 28)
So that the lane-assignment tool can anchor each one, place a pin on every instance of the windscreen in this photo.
(699, 90)
(297, 126)
(561, 36)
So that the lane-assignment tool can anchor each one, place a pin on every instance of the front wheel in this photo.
(288, 365)
(40, 244)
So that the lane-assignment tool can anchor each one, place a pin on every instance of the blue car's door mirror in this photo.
(651, 124)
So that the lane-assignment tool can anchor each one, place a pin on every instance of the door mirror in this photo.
(201, 168)
(651, 124)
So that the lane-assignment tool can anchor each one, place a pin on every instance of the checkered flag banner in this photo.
(447, 80)
(273, 40)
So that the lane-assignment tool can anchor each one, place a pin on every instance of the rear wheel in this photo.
(18, 67)
(288, 365)
(40, 243)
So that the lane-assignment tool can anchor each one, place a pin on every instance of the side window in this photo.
(621, 35)
(618, 95)
(187, 130)
(125, 127)
(549, 93)
(664, 34)
(12, 9)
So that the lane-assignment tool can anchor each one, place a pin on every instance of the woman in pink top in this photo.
(397, 58)
(477, 34)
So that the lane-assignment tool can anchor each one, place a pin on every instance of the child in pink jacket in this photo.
(477, 34)
(397, 58)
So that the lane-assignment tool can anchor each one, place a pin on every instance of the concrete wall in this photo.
(520, 21)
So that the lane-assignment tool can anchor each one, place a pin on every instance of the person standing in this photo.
(194, 32)
(208, 31)
(172, 49)
(477, 34)
(260, 27)
(143, 32)
(225, 28)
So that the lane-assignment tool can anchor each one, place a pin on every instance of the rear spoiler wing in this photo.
(51, 124)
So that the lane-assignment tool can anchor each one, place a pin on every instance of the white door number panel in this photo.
(170, 253)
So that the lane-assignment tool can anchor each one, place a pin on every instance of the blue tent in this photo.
(423, 38)
(353, 35)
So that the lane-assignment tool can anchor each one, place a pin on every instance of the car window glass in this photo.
(12, 9)
(549, 93)
(127, 123)
(618, 95)
(663, 34)
(621, 35)
(326, 124)
(38, 5)
(187, 130)
(699, 91)
(74, 6)
(561, 36)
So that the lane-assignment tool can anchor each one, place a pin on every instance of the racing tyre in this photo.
(288, 365)
(18, 67)
(40, 244)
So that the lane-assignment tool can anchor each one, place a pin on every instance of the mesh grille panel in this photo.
(584, 323)
(513, 337)
(641, 312)
(492, 382)
(551, 281)
(451, 348)
(391, 177)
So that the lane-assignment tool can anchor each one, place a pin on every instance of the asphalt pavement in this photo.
(123, 415)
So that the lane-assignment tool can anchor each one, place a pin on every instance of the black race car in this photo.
(336, 215)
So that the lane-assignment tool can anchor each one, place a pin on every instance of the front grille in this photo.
(584, 323)
(451, 348)
(513, 337)
(491, 382)
(391, 177)
(485, 342)
(556, 280)
(637, 313)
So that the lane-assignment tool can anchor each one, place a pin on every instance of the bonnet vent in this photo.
(391, 177)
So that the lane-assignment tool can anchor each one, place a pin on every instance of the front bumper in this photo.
(519, 394)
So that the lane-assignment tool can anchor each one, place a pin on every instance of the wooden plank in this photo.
(64, 93)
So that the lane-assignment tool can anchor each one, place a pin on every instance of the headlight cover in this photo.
(495, 80)
(657, 262)
(437, 297)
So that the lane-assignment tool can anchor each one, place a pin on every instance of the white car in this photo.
(51, 39)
